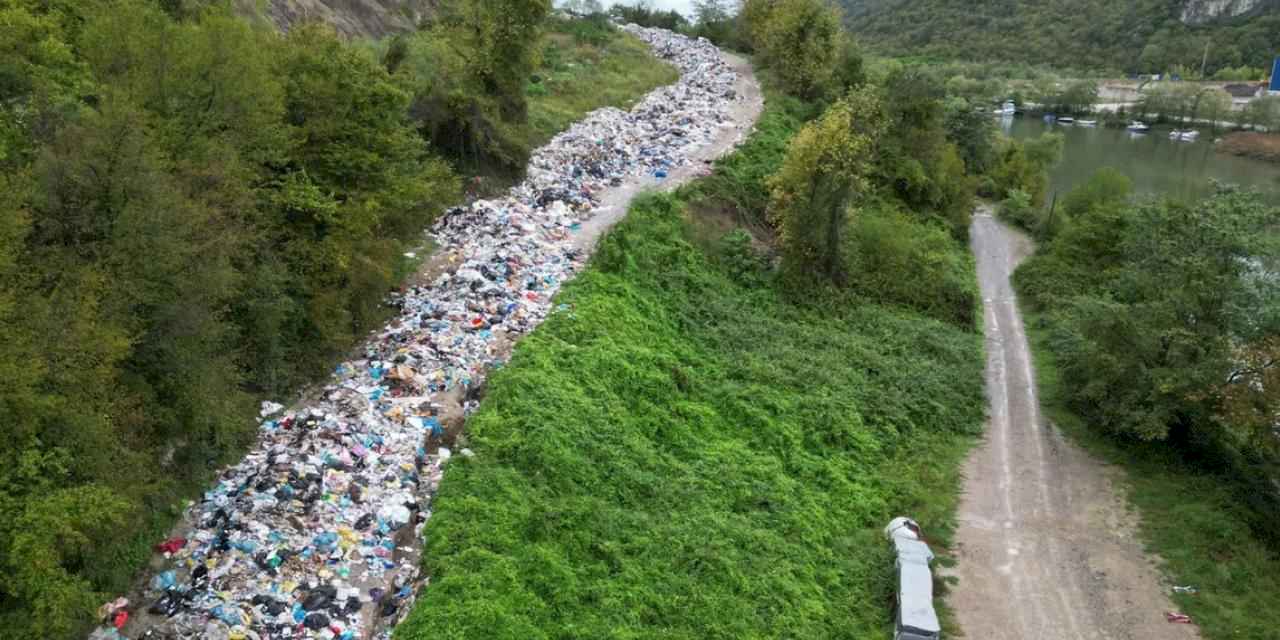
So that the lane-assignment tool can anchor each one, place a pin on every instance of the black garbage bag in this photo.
(316, 621)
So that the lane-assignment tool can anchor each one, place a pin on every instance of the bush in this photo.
(897, 260)
(1017, 209)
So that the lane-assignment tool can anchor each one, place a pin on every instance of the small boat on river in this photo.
(1189, 135)
(1138, 126)
(1087, 123)
(1066, 120)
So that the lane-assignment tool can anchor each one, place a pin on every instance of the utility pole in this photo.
(1204, 62)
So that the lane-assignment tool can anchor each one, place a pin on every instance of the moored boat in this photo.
(1087, 123)
(1138, 126)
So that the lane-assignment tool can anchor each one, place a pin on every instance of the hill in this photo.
(352, 18)
(1128, 35)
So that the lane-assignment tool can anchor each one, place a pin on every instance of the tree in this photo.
(802, 40)
(973, 132)
(1214, 106)
(713, 21)
(710, 11)
(1150, 360)
(826, 173)
(1262, 113)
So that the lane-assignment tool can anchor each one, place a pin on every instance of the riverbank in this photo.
(1259, 146)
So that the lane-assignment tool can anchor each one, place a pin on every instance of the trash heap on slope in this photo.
(314, 533)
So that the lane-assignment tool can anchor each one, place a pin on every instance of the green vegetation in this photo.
(1020, 179)
(583, 71)
(1192, 518)
(680, 454)
(196, 213)
(1135, 36)
(702, 444)
(1178, 382)
(825, 174)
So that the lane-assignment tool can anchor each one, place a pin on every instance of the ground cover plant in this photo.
(584, 67)
(680, 453)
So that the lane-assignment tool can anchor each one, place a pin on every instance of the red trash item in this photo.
(172, 545)
(121, 619)
(1177, 617)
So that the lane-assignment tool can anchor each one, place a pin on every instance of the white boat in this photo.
(1138, 126)
(1066, 120)
(1008, 108)
(1189, 135)
(1087, 123)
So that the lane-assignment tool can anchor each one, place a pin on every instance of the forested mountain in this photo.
(1125, 35)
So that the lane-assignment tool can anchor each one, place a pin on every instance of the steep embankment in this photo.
(316, 525)
(1130, 35)
(353, 18)
(680, 452)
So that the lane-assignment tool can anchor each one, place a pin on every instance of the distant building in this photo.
(1244, 93)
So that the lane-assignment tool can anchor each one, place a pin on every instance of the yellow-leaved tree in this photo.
(823, 178)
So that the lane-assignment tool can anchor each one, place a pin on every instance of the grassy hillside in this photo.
(586, 66)
(1129, 35)
(680, 453)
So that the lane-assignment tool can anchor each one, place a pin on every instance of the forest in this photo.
(1130, 36)
(198, 213)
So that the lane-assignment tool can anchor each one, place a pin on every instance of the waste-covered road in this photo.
(1046, 546)
(316, 532)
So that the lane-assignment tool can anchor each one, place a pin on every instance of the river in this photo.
(1156, 164)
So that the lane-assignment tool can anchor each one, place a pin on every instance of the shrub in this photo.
(897, 260)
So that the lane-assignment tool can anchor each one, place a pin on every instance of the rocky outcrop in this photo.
(1202, 11)
(352, 18)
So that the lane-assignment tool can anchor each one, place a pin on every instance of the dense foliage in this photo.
(825, 174)
(679, 454)
(196, 213)
(1137, 36)
(1165, 319)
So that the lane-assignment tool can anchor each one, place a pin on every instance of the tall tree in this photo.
(826, 173)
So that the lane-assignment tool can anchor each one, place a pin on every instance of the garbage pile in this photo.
(315, 534)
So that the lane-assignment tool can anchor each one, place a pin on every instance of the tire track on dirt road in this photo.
(1046, 548)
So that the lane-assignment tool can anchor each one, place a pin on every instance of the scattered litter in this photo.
(314, 534)
(108, 610)
(1187, 589)
(1181, 618)
(171, 546)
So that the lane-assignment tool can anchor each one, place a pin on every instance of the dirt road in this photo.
(1046, 547)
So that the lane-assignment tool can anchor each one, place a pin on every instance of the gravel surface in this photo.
(1046, 547)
